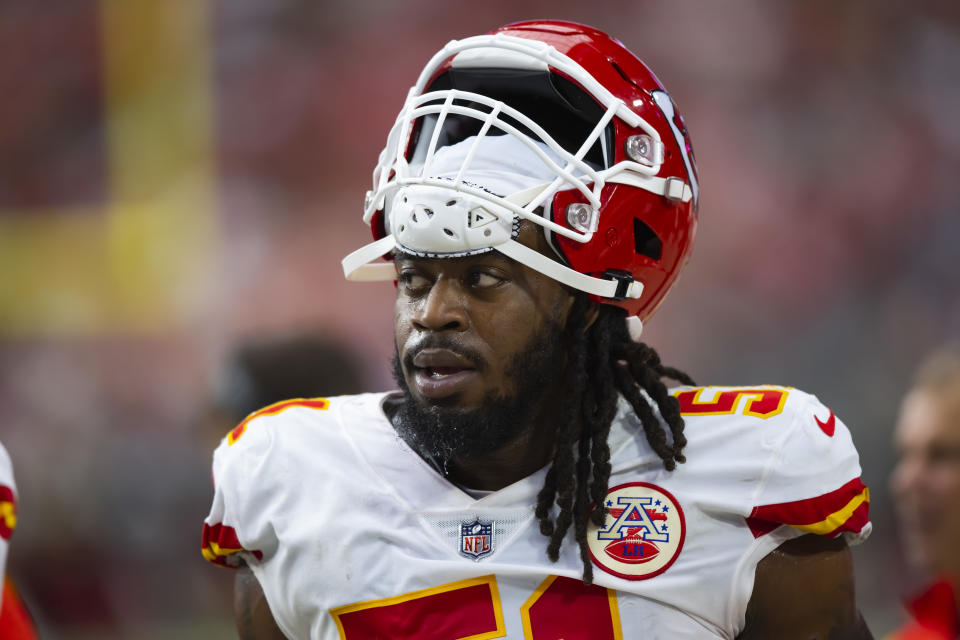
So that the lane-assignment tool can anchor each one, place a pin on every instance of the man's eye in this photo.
(945, 455)
(412, 280)
(483, 280)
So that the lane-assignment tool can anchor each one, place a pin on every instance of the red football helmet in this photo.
(552, 122)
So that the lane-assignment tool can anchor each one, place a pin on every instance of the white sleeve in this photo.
(812, 482)
(8, 510)
(235, 531)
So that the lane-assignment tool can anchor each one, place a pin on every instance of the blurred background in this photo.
(179, 181)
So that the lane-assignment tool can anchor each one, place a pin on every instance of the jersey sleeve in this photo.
(8, 508)
(251, 483)
(812, 481)
(234, 532)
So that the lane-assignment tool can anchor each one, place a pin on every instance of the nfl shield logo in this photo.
(476, 539)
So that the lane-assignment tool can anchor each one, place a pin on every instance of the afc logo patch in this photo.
(642, 533)
(476, 539)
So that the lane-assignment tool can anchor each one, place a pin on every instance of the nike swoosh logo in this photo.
(829, 426)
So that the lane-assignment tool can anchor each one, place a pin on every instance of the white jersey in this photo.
(352, 535)
(8, 510)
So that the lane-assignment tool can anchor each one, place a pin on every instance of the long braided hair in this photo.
(603, 360)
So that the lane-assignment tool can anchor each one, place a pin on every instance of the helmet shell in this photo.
(648, 235)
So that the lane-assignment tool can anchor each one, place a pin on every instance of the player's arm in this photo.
(804, 590)
(253, 617)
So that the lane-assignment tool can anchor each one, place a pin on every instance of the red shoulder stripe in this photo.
(220, 545)
(830, 514)
(275, 408)
(8, 512)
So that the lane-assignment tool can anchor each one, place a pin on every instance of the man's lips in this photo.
(441, 359)
(439, 373)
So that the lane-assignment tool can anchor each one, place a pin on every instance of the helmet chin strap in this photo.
(552, 269)
(358, 266)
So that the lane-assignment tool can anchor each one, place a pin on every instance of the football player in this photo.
(926, 489)
(534, 477)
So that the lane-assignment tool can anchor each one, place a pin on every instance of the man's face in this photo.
(479, 342)
(926, 481)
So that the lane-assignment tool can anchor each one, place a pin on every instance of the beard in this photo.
(442, 434)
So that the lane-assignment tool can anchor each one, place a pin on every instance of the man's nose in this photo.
(443, 308)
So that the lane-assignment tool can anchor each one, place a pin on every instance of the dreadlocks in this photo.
(603, 360)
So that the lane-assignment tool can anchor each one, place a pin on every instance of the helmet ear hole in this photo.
(645, 240)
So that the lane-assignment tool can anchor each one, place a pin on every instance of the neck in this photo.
(526, 454)
(501, 468)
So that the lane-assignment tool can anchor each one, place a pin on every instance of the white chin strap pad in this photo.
(635, 327)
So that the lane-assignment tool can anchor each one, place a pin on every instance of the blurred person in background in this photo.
(534, 477)
(926, 491)
(268, 368)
